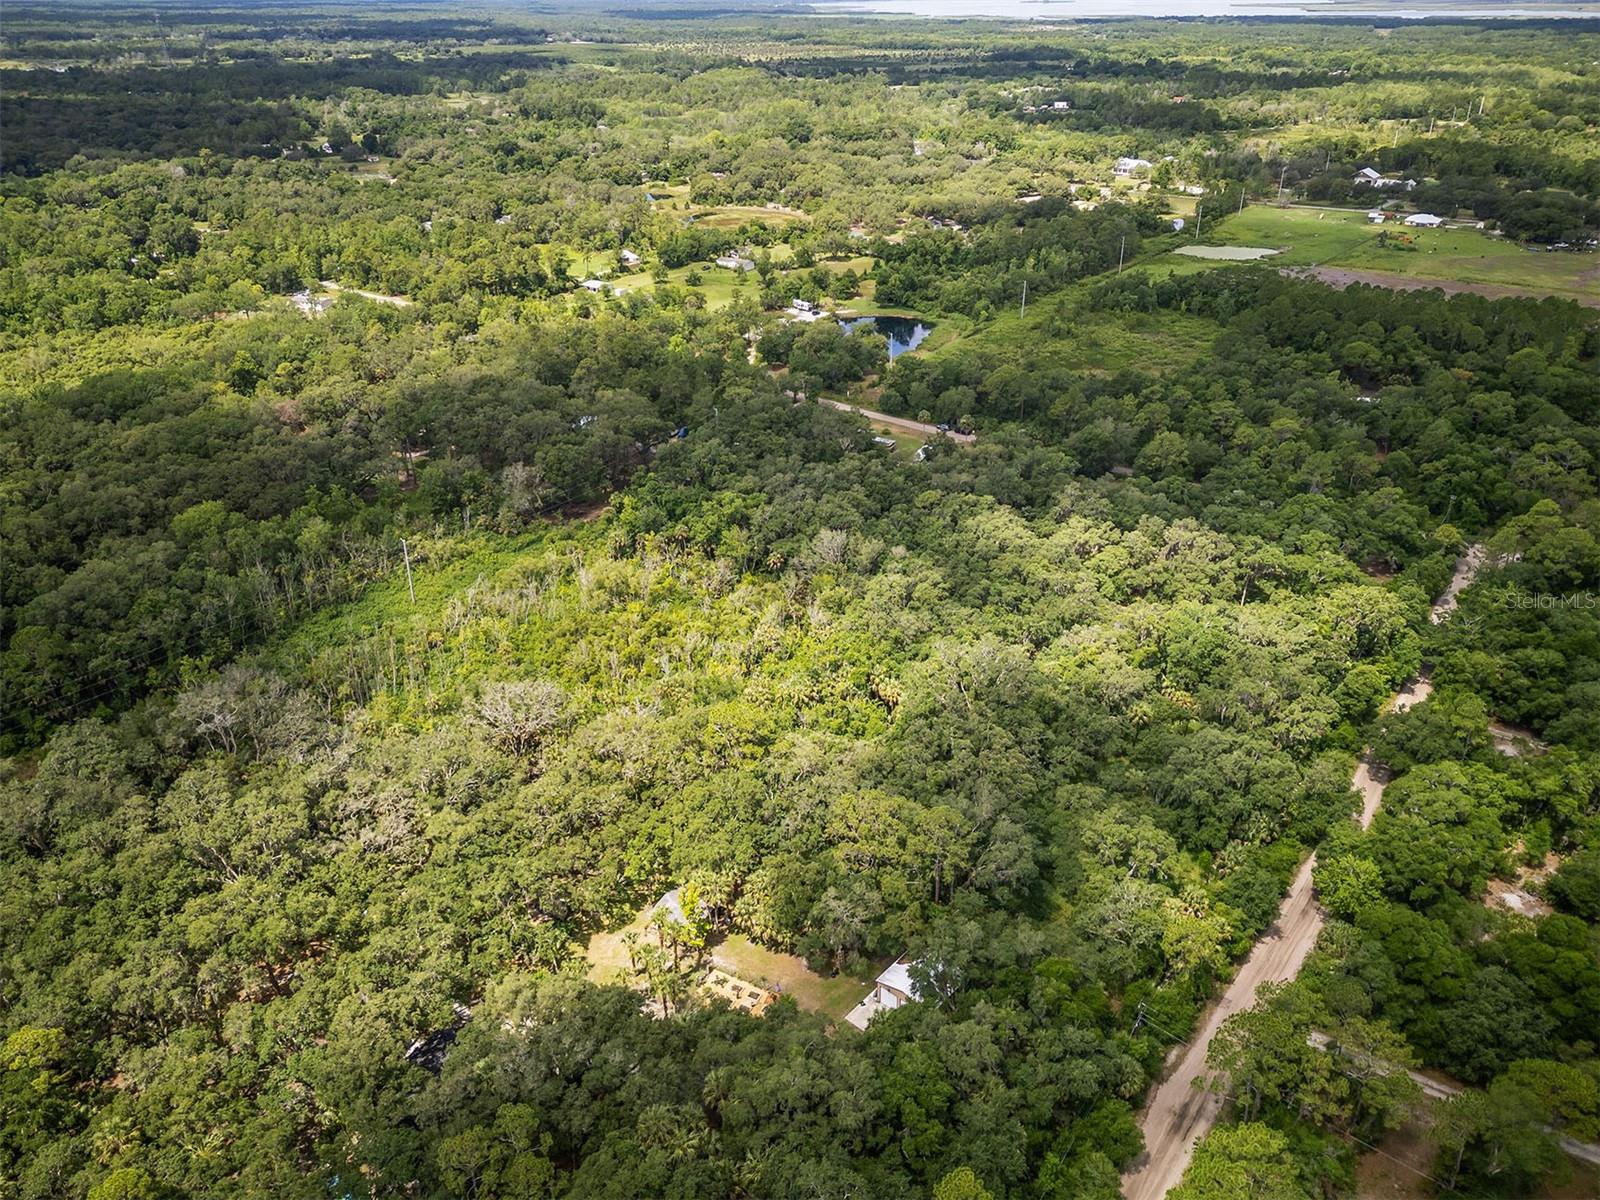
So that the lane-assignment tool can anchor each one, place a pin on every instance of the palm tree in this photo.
(630, 943)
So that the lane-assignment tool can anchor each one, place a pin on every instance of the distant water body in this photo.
(1069, 10)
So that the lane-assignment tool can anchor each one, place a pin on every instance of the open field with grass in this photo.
(789, 976)
(1056, 334)
(1340, 239)
(731, 216)
(784, 974)
(719, 285)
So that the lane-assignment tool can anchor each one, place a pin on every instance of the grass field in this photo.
(1054, 334)
(719, 285)
(1327, 238)
(832, 997)
(786, 974)
(731, 216)
(905, 444)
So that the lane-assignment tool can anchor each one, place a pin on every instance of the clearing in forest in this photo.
(1344, 240)
(735, 955)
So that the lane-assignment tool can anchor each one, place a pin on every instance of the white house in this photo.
(1127, 166)
(1367, 177)
(630, 259)
(894, 987)
(889, 991)
(1060, 105)
(735, 262)
(593, 285)
(1424, 220)
(1377, 217)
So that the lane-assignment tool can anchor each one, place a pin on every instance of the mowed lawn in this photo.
(832, 996)
(1346, 239)
(786, 974)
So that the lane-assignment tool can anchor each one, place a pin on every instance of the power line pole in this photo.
(1024, 310)
(410, 586)
(1199, 211)
(1121, 246)
(1282, 177)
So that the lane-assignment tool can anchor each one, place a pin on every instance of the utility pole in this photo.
(410, 586)
(1121, 246)
(1199, 211)
(1024, 310)
(1241, 196)
(1283, 175)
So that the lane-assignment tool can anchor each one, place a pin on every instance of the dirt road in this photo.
(1180, 1112)
(1343, 277)
(329, 285)
(900, 423)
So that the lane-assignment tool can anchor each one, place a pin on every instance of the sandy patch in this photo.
(1227, 253)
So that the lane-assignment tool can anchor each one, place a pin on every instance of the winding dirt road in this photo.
(1180, 1111)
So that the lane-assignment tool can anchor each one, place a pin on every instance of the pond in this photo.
(903, 333)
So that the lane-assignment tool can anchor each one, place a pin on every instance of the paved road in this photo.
(1180, 1112)
(900, 423)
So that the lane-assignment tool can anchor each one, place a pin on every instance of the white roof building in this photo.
(1424, 220)
(593, 285)
(890, 990)
(1127, 166)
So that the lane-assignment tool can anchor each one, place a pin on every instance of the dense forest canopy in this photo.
(425, 550)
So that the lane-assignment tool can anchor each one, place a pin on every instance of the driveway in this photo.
(903, 424)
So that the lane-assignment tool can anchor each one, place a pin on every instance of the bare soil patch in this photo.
(1343, 277)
